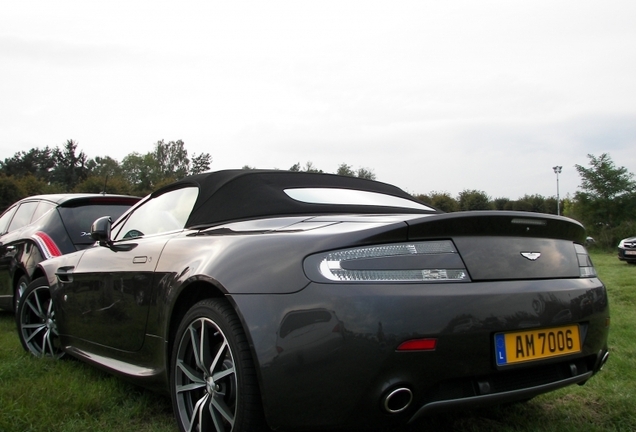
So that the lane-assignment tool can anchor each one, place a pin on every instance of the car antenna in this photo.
(105, 183)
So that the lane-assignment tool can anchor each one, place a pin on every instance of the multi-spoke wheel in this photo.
(213, 382)
(36, 321)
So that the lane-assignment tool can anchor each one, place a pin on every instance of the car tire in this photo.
(37, 327)
(213, 381)
(20, 288)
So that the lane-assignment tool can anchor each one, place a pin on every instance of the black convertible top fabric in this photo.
(245, 194)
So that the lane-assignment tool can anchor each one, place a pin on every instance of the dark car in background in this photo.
(306, 301)
(44, 226)
(627, 250)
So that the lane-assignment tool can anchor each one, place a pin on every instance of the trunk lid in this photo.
(497, 245)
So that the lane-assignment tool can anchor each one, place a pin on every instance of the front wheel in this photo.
(37, 327)
(213, 381)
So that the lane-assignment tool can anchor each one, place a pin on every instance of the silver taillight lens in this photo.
(428, 261)
(586, 268)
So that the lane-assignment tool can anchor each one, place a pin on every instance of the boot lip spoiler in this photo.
(527, 216)
(497, 224)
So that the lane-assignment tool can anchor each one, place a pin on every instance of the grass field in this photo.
(46, 395)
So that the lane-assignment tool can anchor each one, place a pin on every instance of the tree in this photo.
(140, 171)
(365, 173)
(474, 200)
(603, 180)
(106, 167)
(441, 200)
(309, 167)
(36, 162)
(113, 185)
(171, 159)
(521, 205)
(63, 169)
(551, 205)
(607, 199)
(345, 170)
(167, 162)
(531, 203)
(70, 168)
(35, 186)
(200, 163)
(10, 192)
(502, 204)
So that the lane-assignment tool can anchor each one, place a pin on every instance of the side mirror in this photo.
(100, 230)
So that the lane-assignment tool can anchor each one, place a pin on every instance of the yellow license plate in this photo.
(529, 345)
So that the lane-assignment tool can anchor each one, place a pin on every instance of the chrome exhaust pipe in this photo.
(397, 400)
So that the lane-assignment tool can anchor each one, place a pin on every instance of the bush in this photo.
(607, 237)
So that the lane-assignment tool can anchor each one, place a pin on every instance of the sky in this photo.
(431, 96)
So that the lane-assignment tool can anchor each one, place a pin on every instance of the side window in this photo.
(23, 215)
(42, 208)
(167, 212)
(6, 218)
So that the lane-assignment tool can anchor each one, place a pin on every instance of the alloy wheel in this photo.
(37, 325)
(205, 379)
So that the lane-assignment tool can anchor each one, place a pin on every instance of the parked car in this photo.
(45, 226)
(223, 290)
(627, 250)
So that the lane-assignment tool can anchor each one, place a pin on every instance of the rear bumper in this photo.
(346, 387)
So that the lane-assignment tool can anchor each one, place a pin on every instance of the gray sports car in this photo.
(282, 300)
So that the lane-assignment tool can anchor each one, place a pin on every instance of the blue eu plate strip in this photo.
(500, 349)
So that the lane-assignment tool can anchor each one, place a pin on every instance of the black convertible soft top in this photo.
(231, 195)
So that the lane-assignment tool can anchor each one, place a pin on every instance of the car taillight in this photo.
(586, 268)
(426, 261)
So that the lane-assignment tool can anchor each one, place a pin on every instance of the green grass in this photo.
(46, 395)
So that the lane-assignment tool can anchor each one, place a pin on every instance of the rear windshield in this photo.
(337, 196)
(78, 220)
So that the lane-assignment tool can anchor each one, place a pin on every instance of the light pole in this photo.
(557, 171)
